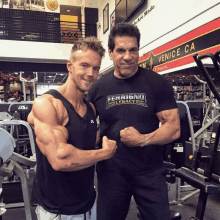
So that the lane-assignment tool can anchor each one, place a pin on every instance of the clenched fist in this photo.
(109, 146)
(131, 137)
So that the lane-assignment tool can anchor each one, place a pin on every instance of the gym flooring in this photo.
(187, 210)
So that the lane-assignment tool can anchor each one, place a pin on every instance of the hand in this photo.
(110, 146)
(131, 137)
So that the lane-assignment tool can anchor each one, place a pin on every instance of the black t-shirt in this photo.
(121, 103)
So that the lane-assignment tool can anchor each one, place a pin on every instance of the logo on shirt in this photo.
(127, 98)
(22, 107)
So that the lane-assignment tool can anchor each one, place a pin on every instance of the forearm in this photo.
(165, 134)
(78, 159)
(76, 167)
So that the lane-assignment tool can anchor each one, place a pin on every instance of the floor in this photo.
(187, 209)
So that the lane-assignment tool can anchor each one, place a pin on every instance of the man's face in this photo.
(125, 56)
(84, 68)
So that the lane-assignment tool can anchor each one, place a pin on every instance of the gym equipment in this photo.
(186, 125)
(195, 179)
(10, 119)
(196, 107)
(17, 112)
(26, 81)
(26, 124)
(215, 59)
(203, 179)
(10, 164)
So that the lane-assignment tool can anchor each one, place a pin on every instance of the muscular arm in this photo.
(166, 133)
(51, 138)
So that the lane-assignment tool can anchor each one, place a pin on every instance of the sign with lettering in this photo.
(143, 15)
(179, 52)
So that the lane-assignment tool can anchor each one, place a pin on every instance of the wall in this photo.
(106, 63)
(34, 51)
(27, 51)
(85, 3)
(162, 21)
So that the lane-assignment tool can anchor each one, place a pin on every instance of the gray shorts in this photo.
(42, 214)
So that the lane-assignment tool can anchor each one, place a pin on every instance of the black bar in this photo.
(213, 146)
(200, 211)
(207, 77)
(215, 178)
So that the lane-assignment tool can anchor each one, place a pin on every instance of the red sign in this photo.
(179, 52)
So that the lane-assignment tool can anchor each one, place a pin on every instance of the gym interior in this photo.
(179, 40)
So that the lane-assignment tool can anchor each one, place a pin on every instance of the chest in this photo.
(64, 114)
(126, 102)
(81, 128)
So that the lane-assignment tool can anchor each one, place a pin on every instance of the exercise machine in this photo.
(11, 163)
(204, 179)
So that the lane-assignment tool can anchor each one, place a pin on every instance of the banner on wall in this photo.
(179, 52)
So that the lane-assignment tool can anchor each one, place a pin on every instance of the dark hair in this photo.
(88, 42)
(123, 29)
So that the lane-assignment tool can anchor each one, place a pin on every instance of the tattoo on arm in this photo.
(77, 166)
(83, 167)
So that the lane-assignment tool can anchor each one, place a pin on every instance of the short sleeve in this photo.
(165, 99)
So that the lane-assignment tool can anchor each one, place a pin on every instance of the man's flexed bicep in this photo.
(50, 136)
(166, 133)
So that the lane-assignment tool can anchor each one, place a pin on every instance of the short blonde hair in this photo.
(88, 42)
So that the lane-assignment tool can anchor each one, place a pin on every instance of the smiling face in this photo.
(84, 68)
(125, 56)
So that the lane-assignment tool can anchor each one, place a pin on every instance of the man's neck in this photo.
(120, 76)
(73, 95)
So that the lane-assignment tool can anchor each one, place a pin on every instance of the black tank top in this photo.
(68, 193)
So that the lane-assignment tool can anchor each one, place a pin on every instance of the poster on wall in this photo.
(33, 5)
(112, 20)
(105, 18)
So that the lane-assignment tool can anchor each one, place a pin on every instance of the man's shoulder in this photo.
(105, 77)
(47, 107)
(45, 98)
(152, 76)
(102, 82)
(46, 101)
(150, 73)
